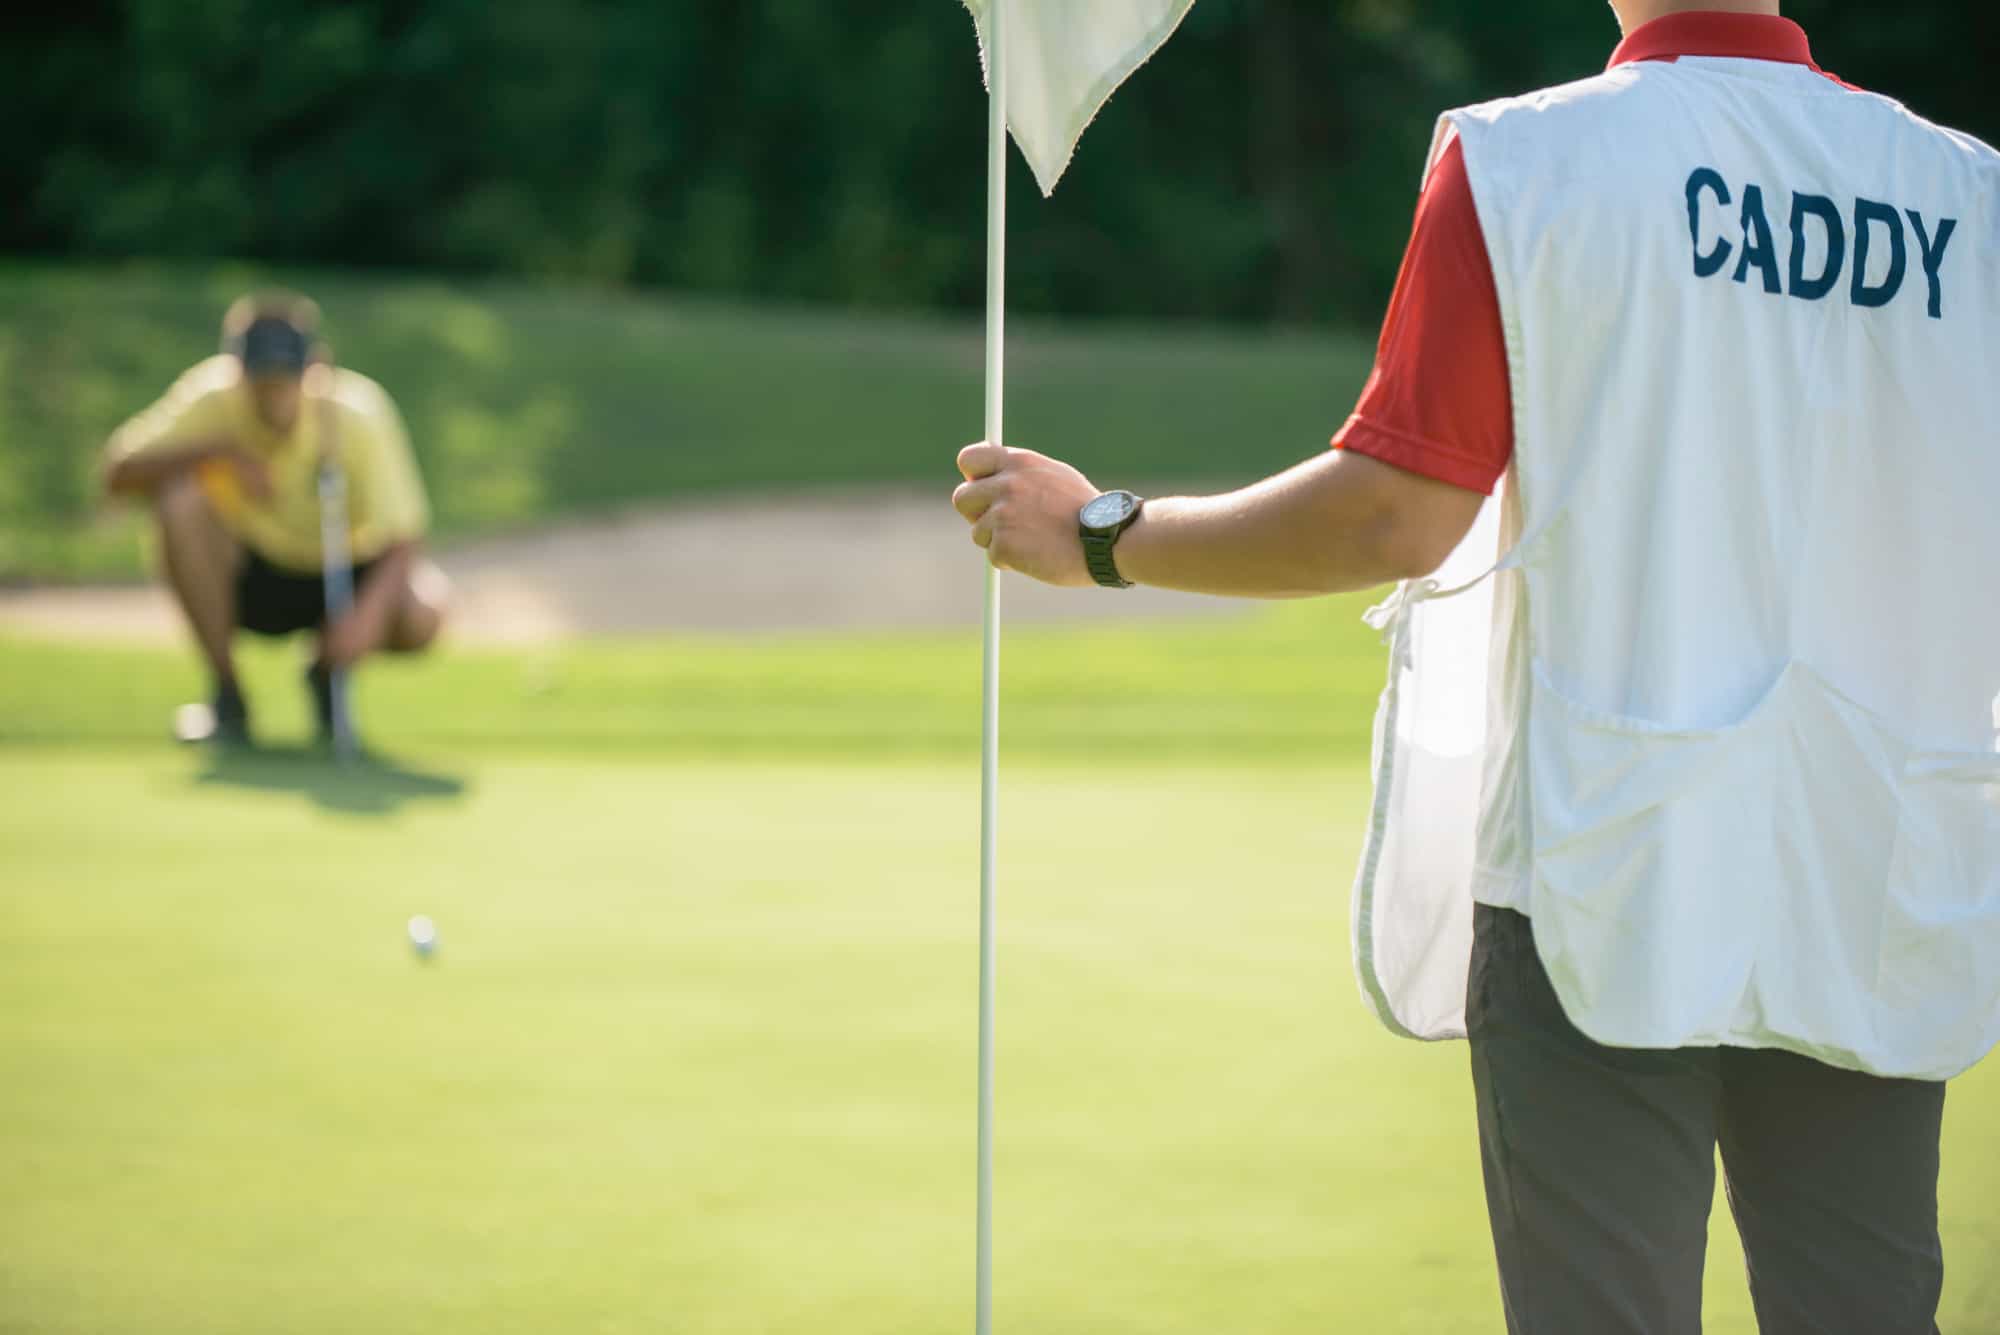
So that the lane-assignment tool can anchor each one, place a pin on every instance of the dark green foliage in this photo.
(799, 150)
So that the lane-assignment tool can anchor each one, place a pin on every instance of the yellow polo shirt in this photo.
(385, 493)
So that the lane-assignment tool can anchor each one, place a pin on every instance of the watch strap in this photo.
(1097, 556)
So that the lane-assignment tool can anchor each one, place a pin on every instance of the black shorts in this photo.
(273, 601)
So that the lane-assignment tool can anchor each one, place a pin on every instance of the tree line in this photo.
(1262, 168)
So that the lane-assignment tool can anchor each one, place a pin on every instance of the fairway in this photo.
(696, 1056)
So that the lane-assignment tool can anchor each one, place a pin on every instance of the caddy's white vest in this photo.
(1724, 721)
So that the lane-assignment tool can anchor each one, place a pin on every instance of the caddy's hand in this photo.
(1022, 507)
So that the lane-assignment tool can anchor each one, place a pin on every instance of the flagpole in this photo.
(989, 756)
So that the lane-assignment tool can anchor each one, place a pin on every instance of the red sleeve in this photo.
(1438, 402)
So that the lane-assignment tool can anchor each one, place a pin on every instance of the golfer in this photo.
(229, 462)
(1689, 381)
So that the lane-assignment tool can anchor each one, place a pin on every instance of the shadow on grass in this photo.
(373, 785)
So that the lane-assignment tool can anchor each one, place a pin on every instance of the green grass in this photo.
(1292, 684)
(697, 1053)
(696, 1056)
(527, 402)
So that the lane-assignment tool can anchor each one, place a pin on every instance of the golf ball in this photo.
(423, 935)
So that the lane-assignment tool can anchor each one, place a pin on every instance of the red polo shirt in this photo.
(1439, 401)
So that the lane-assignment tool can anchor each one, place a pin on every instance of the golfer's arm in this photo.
(1335, 523)
(142, 472)
(387, 577)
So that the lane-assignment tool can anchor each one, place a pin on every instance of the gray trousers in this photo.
(1600, 1170)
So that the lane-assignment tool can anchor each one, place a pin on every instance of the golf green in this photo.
(696, 1054)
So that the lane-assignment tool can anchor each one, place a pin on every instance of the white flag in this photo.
(1064, 60)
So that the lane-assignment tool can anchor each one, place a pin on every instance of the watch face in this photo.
(1109, 510)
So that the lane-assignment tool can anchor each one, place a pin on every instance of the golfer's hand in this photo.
(348, 639)
(1023, 508)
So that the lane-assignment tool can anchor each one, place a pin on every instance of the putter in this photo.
(338, 574)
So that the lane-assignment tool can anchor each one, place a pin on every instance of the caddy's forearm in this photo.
(1333, 524)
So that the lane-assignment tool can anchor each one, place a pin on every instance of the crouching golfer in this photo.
(230, 462)
(1704, 851)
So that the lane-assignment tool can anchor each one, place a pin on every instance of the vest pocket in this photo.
(1940, 959)
(1715, 884)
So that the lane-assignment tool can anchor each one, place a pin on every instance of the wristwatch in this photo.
(1100, 522)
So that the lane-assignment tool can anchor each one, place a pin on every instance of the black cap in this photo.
(273, 346)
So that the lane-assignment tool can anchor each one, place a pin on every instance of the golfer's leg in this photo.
(421, 610)
(200, 560)
(416, 612)
(1599, 1162)
(1832, 1176)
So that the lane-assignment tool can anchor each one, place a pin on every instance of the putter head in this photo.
(337, 719)
(346, 747)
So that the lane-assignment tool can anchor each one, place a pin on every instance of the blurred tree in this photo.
(796, 150)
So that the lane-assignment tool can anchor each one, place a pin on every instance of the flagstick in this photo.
(989, 757)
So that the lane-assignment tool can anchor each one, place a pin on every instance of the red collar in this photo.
(1708, 32)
